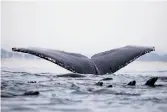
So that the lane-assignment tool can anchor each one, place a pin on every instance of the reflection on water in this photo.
(81, 94)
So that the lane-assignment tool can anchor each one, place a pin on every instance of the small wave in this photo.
(78, 91)
(14, 72)
(163, 78)
(8, 94)
(162, 71)
(109, 91)
(66, 101)
(154, 99)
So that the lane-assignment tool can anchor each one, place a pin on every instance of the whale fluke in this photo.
(101, 63)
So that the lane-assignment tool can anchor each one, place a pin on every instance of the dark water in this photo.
(60, 94)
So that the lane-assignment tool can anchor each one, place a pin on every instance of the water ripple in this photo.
(19, 92)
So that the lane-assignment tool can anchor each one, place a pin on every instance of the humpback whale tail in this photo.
(101, 63)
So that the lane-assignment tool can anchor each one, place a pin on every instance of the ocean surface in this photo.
(50, 93)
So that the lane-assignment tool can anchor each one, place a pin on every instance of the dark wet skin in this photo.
(106, 79)
(31, 93)
(32, 82)
(73, 75)
(109, 86)
(99, 84)
(151, 82)
(132, 83)
(27, 93)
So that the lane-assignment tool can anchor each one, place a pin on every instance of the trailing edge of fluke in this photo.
(101, 63)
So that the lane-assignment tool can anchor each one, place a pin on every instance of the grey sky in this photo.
(84, 27)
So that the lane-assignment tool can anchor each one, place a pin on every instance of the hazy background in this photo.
(84, 27)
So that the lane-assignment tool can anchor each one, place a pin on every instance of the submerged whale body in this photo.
(101, 63)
